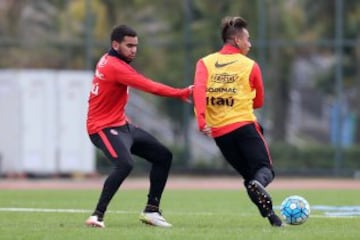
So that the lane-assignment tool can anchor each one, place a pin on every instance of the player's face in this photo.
(127, 48)
(243, 41)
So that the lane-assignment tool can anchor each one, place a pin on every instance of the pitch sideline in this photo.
(328, 211)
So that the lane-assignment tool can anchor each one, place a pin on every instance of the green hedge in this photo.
(287, 160)
(315, 157)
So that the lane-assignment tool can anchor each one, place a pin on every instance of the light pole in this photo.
(187, 76)
(339, 34)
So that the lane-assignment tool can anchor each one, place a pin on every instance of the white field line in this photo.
(328, 211)
(54, 210)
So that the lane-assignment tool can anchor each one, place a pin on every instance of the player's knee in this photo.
(125, 166)
(264, 175)
(166, 158)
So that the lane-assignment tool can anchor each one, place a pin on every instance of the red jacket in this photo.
(110, 91)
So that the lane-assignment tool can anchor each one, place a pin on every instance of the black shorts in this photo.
(246, 150)
(119, 143)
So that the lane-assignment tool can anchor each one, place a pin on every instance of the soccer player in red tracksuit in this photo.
(227, 88)
(111, 131)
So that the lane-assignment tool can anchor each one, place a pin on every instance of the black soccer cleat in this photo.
(275, 221)
(260, 197)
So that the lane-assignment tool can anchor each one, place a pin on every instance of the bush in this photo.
(311, 160)
(314, 159)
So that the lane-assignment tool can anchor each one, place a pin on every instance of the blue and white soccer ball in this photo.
(295, 210)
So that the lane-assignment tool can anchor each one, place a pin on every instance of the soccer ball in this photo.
(295, 210)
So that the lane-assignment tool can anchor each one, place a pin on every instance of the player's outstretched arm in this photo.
(136, 80)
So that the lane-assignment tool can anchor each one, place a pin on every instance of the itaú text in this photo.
(219, 101)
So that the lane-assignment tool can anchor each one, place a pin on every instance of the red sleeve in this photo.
(199, 93)
(256, 83)
(128, 76)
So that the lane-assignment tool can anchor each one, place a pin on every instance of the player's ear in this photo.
(115, 45)
(237, 41)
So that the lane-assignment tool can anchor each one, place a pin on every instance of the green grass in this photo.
(195, 214)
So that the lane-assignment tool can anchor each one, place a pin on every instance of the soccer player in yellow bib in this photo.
(228, 87)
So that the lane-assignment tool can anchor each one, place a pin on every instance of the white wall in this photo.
(42, 123)
(10, 130)
(76, 150)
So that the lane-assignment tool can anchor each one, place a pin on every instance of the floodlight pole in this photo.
(187, 156)
(339, 34)
(261, 31)
(88, 34)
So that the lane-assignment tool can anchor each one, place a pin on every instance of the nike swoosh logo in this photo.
(219, 65)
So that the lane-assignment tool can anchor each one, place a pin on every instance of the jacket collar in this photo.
(114, 53)
(229, 49)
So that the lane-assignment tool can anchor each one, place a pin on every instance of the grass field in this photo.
(195, 214)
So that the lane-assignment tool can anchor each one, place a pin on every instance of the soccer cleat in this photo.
(93, 221)
(260, 197)
(154, 219)
(275, 221)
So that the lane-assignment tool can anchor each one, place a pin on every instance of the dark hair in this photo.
(119, 32)
(231, 26)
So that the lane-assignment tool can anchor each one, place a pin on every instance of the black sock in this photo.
(151, 208)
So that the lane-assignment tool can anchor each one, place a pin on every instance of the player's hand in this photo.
(191, 87)
(207, 131)
(188, 96)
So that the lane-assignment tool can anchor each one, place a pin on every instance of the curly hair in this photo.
(119, 32)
